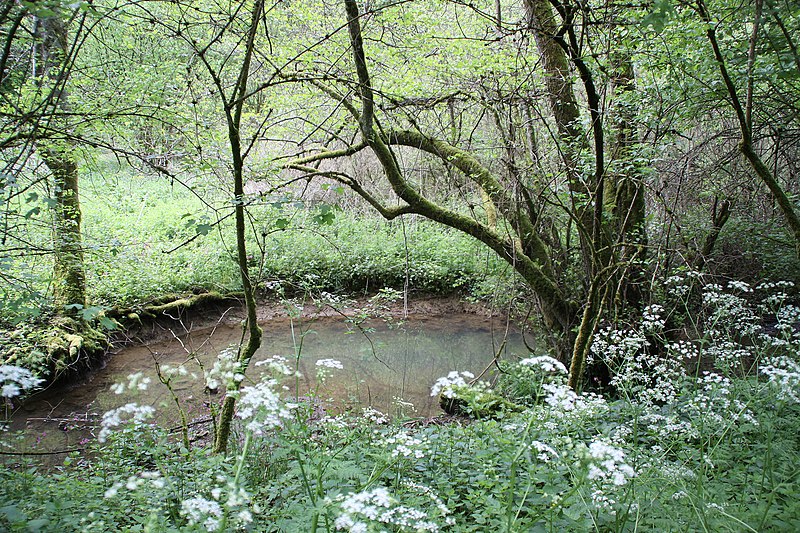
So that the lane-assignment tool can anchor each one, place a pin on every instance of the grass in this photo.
(145, 238)
(686, 443)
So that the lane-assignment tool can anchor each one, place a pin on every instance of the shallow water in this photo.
(389, 366)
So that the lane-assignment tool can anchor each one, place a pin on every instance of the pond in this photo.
(389, 366)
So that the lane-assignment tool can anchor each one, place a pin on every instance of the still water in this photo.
(389, 366)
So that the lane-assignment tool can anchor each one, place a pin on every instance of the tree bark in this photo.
(233, 112)
(69, 276)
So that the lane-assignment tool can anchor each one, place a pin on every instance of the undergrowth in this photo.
(700, 435)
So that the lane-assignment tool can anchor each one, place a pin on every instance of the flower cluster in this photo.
(375, 416)
(129, 413)
(262, 408)
(616, 346)
(136, 382)
(325, 366)
(545, 363)
(446, 386)
(227, 507)
(544, 452)
(330, 363)
(565, 402)
(15, 379)
(652, 318)
(405, 445)
(729, 311)
(377, 507)
(278, 366)
(153, 478)
(199, 510)
(607, 463)
(783, 374)
(226, 369)
(713, 403)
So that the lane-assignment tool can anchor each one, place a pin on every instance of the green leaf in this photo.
(281, 223)
(32, 197)
(38, 524)
(90, 313)
(203, 229)
(659, 16)
(32, 213)
(12, 514)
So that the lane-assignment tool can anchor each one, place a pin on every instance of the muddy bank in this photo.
(230, 312)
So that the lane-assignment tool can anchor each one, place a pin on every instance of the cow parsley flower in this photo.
(446, 385)
(133, 483)
(565, 402)
(405, 445)
(15, 379)
(652, 318)
(278, 365)
(199, 510)
(783, 374)
(375, 416)
(136, 382)
(130, 413)
(330, 363)
(545, 452)
(225, 369)
(545, 363)
(607, 462)
(377, 506)
(262, 408)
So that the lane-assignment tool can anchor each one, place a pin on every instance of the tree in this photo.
(608, 225)
(56, 149)
(36, 62)
(743, 109)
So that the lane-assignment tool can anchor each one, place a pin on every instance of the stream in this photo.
(389, 366)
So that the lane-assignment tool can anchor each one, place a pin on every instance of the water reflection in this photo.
(387, 366)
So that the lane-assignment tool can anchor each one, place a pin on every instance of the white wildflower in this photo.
(565, 401)
(446, 385)
(330, 363)
(136, 382)
(546, 453)
(277, 364)
(15, 379)
(405, 445)
(199, 510)
(375, 416)
(546, 363)
(607, 462)
(783, 374)
(261, 407)
(128, 413)
(133, 483)
(225, 369)
(377, 506)
(652, 319)
(740, 286)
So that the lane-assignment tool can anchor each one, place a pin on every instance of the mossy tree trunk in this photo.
(234, 105)
(69, 275)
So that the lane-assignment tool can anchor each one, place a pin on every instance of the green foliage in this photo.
(713, 450)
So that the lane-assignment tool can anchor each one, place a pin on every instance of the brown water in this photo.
(390, 367)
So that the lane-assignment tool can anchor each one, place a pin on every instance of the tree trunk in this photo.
(233, 112)
(69, 276)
